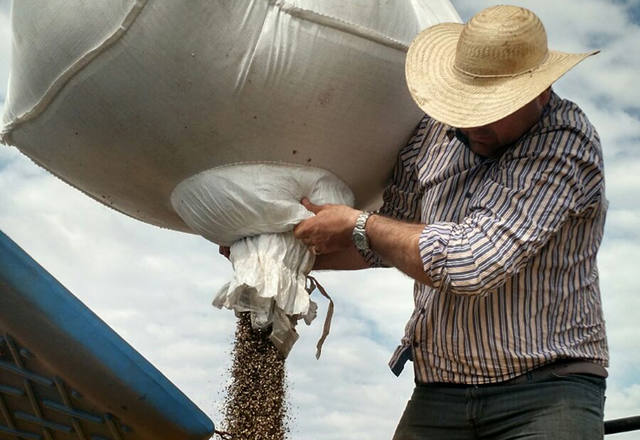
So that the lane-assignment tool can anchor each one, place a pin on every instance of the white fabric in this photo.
(269, 281)
(269, 268)
(253, 208)
(228, 203)
(125, 99)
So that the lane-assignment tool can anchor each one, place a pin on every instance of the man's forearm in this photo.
(347, 259)
(396, 243)
(329, 233)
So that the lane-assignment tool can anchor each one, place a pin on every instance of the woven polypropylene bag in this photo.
(153, 107)
(125, 99)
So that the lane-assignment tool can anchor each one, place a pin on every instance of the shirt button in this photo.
(416, 344)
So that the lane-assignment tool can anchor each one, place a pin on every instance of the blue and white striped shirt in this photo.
(510, 245)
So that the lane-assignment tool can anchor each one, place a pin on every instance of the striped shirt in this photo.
(510, 245)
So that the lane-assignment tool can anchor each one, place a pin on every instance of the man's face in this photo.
(490, 140)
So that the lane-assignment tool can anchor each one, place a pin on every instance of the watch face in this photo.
(360, 240)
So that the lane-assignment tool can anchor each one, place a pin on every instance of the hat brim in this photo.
(463, 101)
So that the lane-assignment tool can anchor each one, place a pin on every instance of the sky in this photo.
(155, 286)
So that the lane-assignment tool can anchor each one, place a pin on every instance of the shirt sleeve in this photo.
(401, 198)
(527, 198)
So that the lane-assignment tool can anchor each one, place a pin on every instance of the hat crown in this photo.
(501, 41)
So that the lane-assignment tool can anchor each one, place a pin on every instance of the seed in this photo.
(255, 402)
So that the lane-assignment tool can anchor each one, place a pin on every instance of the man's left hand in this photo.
(329, 230)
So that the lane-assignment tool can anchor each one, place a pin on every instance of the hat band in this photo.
(505, 75)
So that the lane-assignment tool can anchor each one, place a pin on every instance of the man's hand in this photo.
(329, 230)
(225, 250)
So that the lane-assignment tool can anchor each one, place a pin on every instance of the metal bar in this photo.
(35, 408)
(20, 434)
(4, 410)
(67, 406)
(72, 412)
(77, 427)
(622, 425)
(42, 422)
(112, 427)
(5, 389)
(27, 379)
(26, 374)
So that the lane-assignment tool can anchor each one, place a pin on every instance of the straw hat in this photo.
(474, 74)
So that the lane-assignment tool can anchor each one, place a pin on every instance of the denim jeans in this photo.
(560, 408)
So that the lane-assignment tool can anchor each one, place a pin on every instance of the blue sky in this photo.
(155, 286)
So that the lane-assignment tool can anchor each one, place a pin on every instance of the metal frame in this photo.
(626, 424)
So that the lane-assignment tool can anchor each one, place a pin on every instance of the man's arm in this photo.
(401, 201)
(329, 232)
(396, 243)
(526, 201)
(346, 259)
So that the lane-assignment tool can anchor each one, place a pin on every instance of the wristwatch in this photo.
(359, 233)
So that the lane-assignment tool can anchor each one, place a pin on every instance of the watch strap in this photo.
(359, 234)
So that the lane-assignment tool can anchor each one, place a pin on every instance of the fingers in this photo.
(303, 230)
(302, 233)
(297, 230)
(310, 206)
(311, 231)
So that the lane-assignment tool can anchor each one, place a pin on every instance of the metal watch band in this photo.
(359, 233)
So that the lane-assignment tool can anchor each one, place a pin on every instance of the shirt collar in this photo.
(455, 133)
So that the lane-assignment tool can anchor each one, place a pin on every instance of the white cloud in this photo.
(5, 48)
(627, 399)
(623, 179)
(623, 223)
(155, 286)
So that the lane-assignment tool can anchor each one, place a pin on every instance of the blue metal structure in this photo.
(65, 374)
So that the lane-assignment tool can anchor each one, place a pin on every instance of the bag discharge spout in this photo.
(253, 208)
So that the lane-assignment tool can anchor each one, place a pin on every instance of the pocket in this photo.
(593, 387)
(587, 379)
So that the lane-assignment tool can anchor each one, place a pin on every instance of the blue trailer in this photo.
(65, 374)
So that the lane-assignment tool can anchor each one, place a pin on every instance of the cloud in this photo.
(5, 46)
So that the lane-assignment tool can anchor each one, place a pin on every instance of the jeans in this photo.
(559, 408)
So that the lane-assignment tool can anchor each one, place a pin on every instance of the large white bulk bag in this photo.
(127, 99)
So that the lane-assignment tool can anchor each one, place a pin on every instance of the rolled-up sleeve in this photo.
(528, 195)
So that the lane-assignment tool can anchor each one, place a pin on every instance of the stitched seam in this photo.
(341, 25)
(70, 72)
(247, 60)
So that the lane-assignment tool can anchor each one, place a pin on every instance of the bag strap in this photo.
(313, 284)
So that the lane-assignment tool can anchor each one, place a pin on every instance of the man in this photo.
(496, 209)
